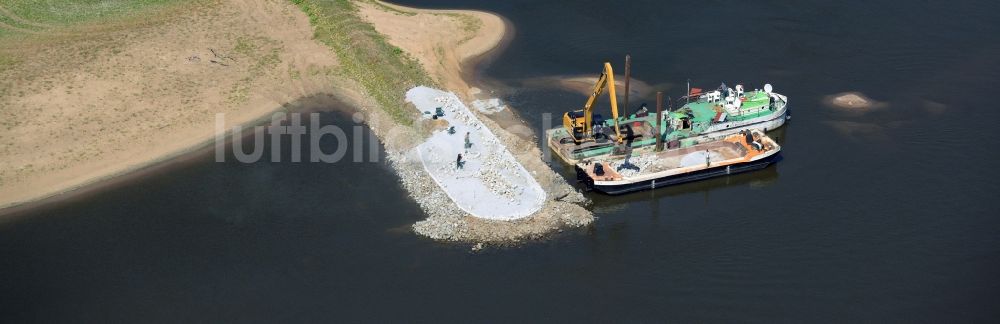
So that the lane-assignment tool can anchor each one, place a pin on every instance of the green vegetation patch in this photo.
(64, 12)
(30, 18)
(384, 70)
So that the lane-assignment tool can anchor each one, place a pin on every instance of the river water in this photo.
(883, 215)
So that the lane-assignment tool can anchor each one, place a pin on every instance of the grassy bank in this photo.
(384, 70)
(19, 17)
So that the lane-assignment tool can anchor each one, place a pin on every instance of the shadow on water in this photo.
(196, 238)
(605, 204)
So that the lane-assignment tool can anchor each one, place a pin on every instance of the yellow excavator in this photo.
(580, 124)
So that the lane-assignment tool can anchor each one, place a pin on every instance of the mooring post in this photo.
(628, 75)
(687, 96)
(659, 120)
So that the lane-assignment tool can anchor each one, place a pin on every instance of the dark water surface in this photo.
(885, 215)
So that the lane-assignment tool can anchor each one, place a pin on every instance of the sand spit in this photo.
(441, 40)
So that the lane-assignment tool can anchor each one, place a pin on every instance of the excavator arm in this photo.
(579, 124)
(614, 99)
(588, 108)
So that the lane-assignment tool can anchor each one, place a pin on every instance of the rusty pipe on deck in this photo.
(628, 75)
(659, 120)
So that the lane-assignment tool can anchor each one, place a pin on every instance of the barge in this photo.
(704, 116)
(745, 151)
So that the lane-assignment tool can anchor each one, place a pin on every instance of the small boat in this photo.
(742, 152)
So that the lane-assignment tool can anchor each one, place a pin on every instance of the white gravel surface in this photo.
(492, 184)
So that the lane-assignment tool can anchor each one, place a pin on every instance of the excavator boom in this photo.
(588, 108)
(579, 124)
(614, 99)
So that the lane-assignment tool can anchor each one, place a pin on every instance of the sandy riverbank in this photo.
(446, 42)
(95, 101)
(146, 92)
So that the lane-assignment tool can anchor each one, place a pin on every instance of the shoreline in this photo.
(459, 67)
(473, 66)
(140, 127)
(470, 54)
(125, 171)
(166, 163)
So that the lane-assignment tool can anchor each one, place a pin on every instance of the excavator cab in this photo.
(575, 125)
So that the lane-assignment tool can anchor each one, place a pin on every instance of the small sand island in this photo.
(143, 84)
(584, 84)
(852, 101)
